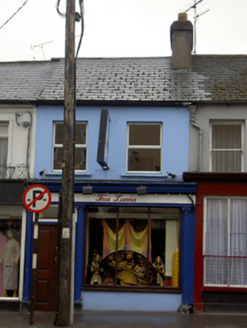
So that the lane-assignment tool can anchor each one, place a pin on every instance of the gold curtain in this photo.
(128, 239)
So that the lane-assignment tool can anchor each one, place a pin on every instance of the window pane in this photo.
(238, 242)
(133, 250)
(135, 227)
(80, 158)
(144, 134)
(134, 255)
(226, 161)
(3, 157)
(215, 270)
(3, 129)
(238, 275)
(226, 136)
(101, 242)
(80, 152)
(216, 232)
(57, 158)
(80, 133)
(216, 242)
(165, 244)
(144, 159)
(59, 133)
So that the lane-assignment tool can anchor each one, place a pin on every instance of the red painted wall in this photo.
(208, 189)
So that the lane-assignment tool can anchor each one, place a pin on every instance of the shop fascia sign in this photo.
(110, 198)
(135, 199)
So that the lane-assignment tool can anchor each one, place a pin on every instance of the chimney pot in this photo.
(181, 43)
(182, 17)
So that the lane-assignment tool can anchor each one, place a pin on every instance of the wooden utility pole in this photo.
(64, 313)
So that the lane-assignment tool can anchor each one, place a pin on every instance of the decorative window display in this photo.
(80, 146)
(10, 246)
(132, 247)
(144, 147)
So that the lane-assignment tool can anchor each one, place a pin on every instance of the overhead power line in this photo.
(79, 17)
(81, 5)
(14, 14)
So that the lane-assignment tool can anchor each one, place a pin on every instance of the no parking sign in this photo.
(36, 198)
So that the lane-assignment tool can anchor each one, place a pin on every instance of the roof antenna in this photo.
(41, 46)
(194, 6)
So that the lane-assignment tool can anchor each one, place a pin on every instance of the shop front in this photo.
(12, 244)
(132, 249)
(220, 242)
(135, 252)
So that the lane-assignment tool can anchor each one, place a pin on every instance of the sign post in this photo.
(36, 199)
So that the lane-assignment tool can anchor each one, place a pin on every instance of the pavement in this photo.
(126, 320)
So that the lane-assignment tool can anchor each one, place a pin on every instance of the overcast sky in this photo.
(119, 28)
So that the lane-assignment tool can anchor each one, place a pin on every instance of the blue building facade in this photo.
(133, 238)
(174, 135)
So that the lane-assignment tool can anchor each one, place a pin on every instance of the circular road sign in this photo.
(36, 198)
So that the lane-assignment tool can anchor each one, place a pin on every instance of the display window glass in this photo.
(10, 250)
(132, 247)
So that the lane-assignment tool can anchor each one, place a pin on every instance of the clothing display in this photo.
(9, 259)
(3, 240)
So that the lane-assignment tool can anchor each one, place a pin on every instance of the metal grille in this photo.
(19, 171)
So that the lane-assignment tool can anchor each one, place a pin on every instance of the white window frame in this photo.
(54, 145)
(128, 146)
(211, 150)
(228, 235)
(5, 136)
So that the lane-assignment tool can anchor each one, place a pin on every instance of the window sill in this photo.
(151, 289)
(224, 289)
(145, 175)
(58, 174)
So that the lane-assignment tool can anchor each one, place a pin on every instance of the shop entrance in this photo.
(45, 288)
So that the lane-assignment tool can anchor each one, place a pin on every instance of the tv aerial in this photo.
(41, 46)
(196, 16)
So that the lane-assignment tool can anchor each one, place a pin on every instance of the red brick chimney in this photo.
(181, 43)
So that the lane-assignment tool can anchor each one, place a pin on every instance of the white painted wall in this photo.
(21, 137)
(202, 118)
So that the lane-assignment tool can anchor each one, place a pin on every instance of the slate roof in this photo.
(24, 80)
(219, 78)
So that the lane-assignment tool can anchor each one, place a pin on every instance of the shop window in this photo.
(80, 146)
(144, 147)
(225, 242)
(227, 147)
(132, 247)
(10, 250)
(3, 149)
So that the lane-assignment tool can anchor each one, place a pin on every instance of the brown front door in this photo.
(45, 287)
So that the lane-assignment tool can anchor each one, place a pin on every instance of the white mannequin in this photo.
(10, 258)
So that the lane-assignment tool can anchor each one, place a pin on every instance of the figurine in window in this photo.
(95, 267)
(160, 270)
(9, 259)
